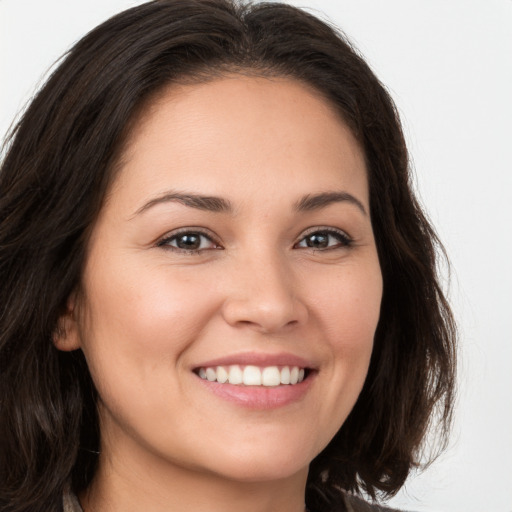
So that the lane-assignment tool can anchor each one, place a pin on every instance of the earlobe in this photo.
(66, 334)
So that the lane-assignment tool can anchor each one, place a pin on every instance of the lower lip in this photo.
(260, 397)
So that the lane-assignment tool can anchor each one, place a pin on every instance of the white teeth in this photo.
(252, 376)
(235, 374)
(211, 374)
(285, 375)
(269, 376)
(222, 375)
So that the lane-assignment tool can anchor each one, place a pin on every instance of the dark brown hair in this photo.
(59, 162)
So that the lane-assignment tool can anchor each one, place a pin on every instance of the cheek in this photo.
(349, 307)
(345, 312)
(142, 319)
(136, 331)
(348, 315)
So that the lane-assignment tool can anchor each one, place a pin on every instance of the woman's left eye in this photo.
(188, 241)
(324, 239)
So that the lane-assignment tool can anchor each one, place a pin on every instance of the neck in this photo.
(131, 484)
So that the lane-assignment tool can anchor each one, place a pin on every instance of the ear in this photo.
(66, 336)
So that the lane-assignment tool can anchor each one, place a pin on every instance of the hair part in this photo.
(61, 160)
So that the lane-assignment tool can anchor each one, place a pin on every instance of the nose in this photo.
(264, 295)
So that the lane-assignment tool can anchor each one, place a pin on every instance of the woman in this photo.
(218, 288)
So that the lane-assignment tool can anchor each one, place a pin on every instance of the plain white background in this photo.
(448, 65)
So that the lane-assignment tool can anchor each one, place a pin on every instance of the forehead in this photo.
(240, 133)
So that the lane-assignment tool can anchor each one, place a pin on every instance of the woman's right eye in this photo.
(188, 242)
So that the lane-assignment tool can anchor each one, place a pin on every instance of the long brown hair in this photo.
(59, 162)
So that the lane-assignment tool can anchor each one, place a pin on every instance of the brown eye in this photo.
(317, 240)
(188, 241)
(325, 239)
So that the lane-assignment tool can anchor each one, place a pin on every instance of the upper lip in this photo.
(258, 359)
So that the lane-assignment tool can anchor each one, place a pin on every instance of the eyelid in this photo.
(329, 229)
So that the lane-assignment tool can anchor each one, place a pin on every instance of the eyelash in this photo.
(165, 242)
(344, 241)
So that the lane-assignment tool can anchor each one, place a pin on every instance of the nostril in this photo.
(267, 310)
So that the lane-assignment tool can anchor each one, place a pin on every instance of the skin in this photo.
(149, 313)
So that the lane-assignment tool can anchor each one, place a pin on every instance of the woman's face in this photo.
(236, 243)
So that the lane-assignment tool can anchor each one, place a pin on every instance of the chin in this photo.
(272, 461)
(264, 470)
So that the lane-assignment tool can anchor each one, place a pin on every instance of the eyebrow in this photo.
(316, 201)
(207, 203)
(215, 204)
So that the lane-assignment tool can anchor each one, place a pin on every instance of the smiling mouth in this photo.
(250, 375)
